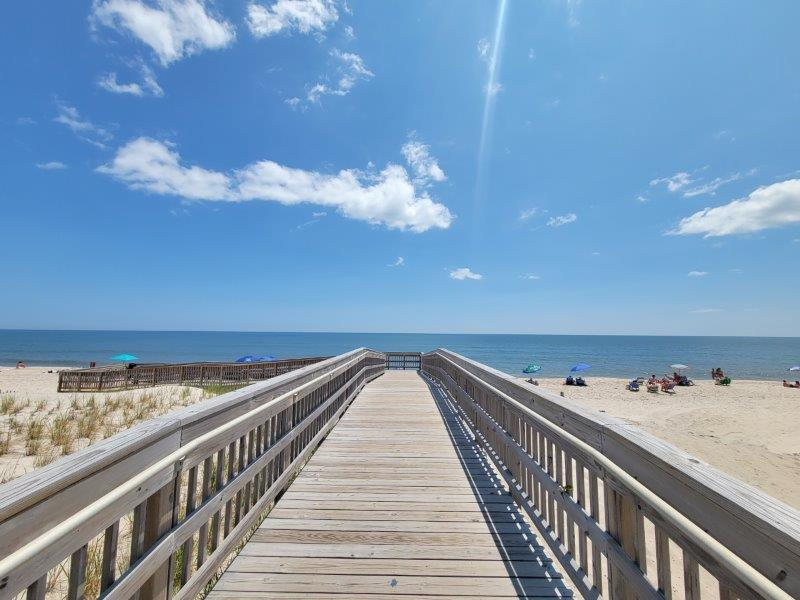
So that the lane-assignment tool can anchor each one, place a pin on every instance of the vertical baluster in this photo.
(663, 566)
(583, 557)
(559, 506)
(77, 574)
(248, 488)
(551, 507)
(597, 565)
(108, 566)
(202, 537)
(38, 589)
(570, 491)
(229, 503)
(691, 577)
(219, 473)
(237, 509)
(641, 541)
(188, 545)
(159, 517)
(725, 593)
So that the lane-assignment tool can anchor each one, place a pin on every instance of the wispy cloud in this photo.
(350, 69)
(464, 273)
(83, 128)
(697, 273)
(768, 207)
(305, 16)
(705, 311)
(25, 121)
(389, 198)
(424, 166)
(642, 199)
(484, 48)
(710, 187)
(173, 29)
(561, 220)
(675, 182)
(148, 86)
(398, 262)
(53, 165)
(530, 277)
(531, 54)
(526, 214)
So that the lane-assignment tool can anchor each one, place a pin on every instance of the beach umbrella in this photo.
(531, 368)
(678, 367)
(124, 357)
(267, 358)
(580, 367)
(796, 368)
(245, 359)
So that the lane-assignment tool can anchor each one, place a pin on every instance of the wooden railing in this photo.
(155, 511)
(403, 360)
(626, 514)
(114, 378)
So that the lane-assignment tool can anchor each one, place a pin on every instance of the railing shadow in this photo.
(529, 568)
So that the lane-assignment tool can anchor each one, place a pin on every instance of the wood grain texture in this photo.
(397, 501)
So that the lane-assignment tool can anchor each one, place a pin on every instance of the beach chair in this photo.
(633, 385)
(653, 387)
(580, 382)
(668, 387)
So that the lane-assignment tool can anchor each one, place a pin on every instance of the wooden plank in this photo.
(347, 584)
(389, 566)
(476, 527)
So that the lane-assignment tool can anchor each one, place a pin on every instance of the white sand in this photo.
(33, 391)
(749, 429)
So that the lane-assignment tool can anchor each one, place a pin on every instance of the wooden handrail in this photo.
(546, 462)
(229, 464)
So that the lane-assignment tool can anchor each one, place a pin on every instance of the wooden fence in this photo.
(154, 511)
(615, 504)
(114, 378)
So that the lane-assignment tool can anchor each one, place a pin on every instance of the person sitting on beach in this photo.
(569, 380)
(21, 365)
(717, 374)
(653, 379)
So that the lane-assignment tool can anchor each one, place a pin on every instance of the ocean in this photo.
(609, 356)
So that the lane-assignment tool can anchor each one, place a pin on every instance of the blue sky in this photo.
(544, 166)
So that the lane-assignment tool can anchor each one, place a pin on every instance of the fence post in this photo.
(159, 518)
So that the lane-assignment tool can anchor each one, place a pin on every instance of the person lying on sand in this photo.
(796, 384)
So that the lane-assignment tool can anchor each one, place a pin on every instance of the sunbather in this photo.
(580, 381)
(569, 380)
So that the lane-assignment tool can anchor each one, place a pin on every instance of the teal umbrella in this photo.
(125, 357)
(531, 368)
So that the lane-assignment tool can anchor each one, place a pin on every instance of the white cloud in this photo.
(776, 205)
(526, 214)
(425, 167)
(53, 165)
(351, 69)
(675, 182)
(349, 33)
(319, 215)
(530, 277)
(705, 311)
(484, 49)
(305, 16)
(173, 29)
(697, 273)
(464, 273)
(84, 129)
(642, 199)
(293, 102)
(531, 54)
(562, 220)
(149, 84)
(710, 187)
(387, 198)
(398, 262)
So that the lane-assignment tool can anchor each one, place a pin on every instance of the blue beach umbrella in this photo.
(531, 368)
(125, 357)
(246, 359)
(580, 367)
(267, 358)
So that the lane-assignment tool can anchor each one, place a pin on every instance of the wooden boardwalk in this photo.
(398, 501)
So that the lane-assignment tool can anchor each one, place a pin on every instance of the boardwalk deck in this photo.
(398, 501)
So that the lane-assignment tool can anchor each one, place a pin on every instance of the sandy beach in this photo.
(38, 424)
(748, 429)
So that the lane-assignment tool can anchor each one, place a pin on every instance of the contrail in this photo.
(490, 92)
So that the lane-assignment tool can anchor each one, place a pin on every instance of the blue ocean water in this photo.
(611, 356)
